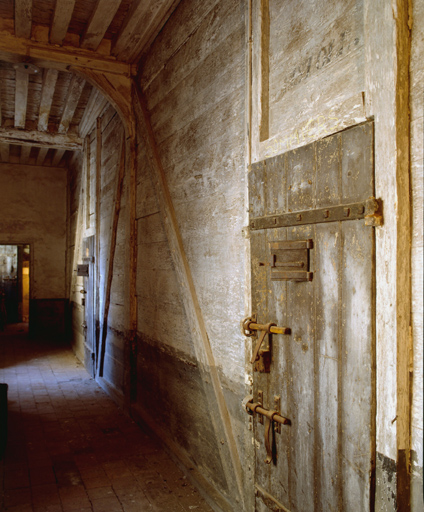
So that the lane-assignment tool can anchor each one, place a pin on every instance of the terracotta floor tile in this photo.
(98, 493)
(70, 449)
(110, 504)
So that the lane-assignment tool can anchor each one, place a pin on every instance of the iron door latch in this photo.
(261, 357)
(270, 417)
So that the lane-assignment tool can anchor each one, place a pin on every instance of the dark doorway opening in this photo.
(14, 284)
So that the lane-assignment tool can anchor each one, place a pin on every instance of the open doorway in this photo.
(14, 284)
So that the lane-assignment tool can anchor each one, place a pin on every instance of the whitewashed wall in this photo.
(33, 211)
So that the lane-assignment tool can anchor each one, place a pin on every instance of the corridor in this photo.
(70, 448)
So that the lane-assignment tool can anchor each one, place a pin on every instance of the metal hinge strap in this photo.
(368, 210)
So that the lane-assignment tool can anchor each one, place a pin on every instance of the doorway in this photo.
(14, 284)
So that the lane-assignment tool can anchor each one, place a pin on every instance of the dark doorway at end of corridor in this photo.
(14, 284)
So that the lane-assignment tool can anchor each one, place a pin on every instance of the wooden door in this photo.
(321, 375)
(89, 303)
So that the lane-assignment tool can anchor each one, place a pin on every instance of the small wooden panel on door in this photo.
(323, 373)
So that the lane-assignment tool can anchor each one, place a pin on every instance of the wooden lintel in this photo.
(41, 139)
(13, 49)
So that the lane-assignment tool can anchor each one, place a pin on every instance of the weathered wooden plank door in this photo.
(89, 300)
(322, 375)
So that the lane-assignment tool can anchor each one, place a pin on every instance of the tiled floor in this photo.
(70, 448)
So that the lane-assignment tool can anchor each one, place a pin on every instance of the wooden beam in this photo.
(21, 98)
(210, 375)
(23, 18)
(13, 49)
(118, 91)
(4, 152)
(111, 256)
(47, 93)
(24, 157)
(98, 200)
(74, 94)
(41, 139)
(42, 153)
(57, 157)
(143, 20)
(87, 151)
(96, 103)
(100, 20)
(61, 18)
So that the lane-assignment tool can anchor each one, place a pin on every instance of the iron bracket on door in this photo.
(261, 357)
(370, 210)
(270, 417)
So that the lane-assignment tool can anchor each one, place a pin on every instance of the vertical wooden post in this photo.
(87, 181)
(98, 199)
(112, 246)
(132, 163)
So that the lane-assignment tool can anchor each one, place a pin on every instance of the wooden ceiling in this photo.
(46, 110)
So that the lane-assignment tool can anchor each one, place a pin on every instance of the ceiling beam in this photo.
(61, 18)
(74, 94)
(23, 18)
(24, 157)
(142, 21)
(57, 157)
(41, 156)
(96, 103)
(15, 49)
(41, 139)
(47, 93)
(21, 98)
(4, 152)
(100, 20)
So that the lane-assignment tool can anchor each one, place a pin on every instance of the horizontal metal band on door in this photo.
(352, 211)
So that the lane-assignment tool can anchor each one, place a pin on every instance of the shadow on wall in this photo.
(49, 318)
(3, 418)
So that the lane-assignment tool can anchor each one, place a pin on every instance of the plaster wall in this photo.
(33, 201)
(194, 82)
